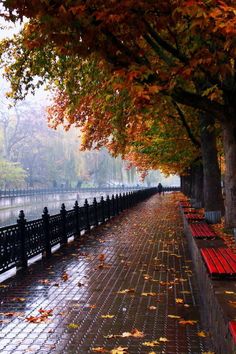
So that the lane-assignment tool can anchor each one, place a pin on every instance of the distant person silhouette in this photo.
(160, 189)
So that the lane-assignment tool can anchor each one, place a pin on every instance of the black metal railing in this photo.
(27, 239)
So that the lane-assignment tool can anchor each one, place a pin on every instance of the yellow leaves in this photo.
(126, 291)
(107, 316)
(149, 294)
(163, 339)
(18, 299)
(179, 300)
(73, 325)
(230, 292)
(154, 343)
(202, 334)
(174, 316)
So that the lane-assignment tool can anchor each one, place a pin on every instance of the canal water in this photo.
(33, 205)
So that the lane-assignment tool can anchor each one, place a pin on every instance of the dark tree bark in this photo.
(229, 136)
(213, 199)
(197, 194)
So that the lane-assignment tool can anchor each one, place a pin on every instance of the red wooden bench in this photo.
(189, 210)
(232, 328)
(220, 261)
(184, 204)
(194, 217)
(202, 230)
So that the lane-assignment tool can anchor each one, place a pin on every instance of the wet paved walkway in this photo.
(129, 285)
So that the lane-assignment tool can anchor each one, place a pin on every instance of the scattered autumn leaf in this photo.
(202, 334)
(230, 292)
(179, 300)
(119, 350)
(136, 333)
(163, 339)
(102, 257)
(154, 343)
(149, 294)
(65, 276)
(152, 307)
(18, 299)
(107, 316)
(126, 291)
(44, 281)
(173, 316)
(73, 325)
(188, 322)
(100, 350)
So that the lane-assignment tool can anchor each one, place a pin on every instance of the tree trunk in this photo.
(213, 199)
(186, 185)
(197, 185)
(229, 136)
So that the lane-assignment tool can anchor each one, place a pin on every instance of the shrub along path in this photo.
(128, 287)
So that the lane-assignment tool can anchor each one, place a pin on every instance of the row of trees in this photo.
(152, 80)
(33, 155)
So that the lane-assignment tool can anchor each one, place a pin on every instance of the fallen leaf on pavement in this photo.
(163, 339)
(154, 343)
(73, 325)
(186, 322)
(179, 300)
(126, 291)
(202, 334)
(119, 350)
(100, 350)
(65, 276)
(107, 316)
(173, 316)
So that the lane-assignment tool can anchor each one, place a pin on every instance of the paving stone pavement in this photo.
(133, 268)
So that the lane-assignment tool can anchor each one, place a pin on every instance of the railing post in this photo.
(117, 205)
(113, 205)
(63, 221)
(45, 217)
(77, 218)
(86, 208)
(22, 239)
(103, 209)
(108, 208)
(121, 202)
(95, 207)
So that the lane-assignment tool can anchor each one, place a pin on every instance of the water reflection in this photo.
(33, 205)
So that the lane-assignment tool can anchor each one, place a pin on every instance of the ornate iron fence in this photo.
(27, 239)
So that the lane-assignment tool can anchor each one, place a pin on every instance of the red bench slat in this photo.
(194, 216)
(219, 261)
(232, 328)
(209, 262)
(223, 260)
(202, 230)
(231, 258)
